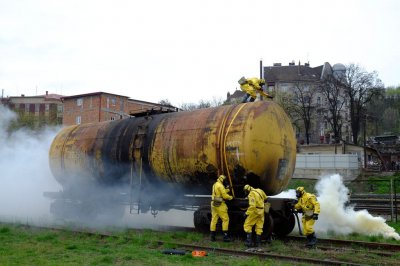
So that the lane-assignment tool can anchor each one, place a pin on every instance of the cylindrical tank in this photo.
(250, 143)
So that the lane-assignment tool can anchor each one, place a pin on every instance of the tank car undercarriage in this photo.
(107, 205)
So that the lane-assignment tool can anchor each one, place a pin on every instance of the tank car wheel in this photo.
(268, 226)
(285, 226)
(200, 219)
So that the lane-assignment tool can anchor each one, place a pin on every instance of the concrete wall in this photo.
(312, 166)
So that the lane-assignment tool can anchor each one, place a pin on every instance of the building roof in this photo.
(90, 94)
(292, 73)
(47, 97)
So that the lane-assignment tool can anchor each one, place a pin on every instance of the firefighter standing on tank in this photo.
(219, 209)
(308, 205)
(254, 214)
(252, 87)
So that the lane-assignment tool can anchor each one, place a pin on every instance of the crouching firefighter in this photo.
(308, 205)
(254, 215)
(219, 208)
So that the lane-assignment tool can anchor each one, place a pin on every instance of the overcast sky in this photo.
(185, 50)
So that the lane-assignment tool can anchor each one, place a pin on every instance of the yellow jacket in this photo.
(252, 87)
(308, 204)
(256, 201)
(220, 191)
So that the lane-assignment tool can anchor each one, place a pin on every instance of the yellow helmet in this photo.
(247, 188)
(221, 178)
(300, 191)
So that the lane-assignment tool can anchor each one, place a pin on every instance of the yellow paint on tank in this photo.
(192, 148)
(258, 137)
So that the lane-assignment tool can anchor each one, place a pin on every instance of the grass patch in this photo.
(308, 184)
(31, 246)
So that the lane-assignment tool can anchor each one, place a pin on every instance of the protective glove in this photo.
(315, 216)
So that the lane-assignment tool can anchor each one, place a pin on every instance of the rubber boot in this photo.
(313, 240)
(258, 241)
(212, 236)
(227, 238)
(269, 239)
(249, 241)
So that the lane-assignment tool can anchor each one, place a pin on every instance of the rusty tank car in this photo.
(171, 160)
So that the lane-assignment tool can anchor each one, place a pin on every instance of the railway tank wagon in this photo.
(167, 160)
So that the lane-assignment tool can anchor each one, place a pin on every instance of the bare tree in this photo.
(360, 87)
(300, 106)
(331, 87)
(202, 104)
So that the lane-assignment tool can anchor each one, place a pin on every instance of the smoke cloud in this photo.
(25, 172)
(342, 219)
(25, 176)
(338, 217)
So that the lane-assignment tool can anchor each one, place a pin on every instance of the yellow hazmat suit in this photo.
(252, 86)
(218, 205)
(309, 206)
(255, 211)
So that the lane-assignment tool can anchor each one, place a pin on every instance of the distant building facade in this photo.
(281, 81)
(103, 106)
(46, 109)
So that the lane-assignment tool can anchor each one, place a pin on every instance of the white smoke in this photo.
(336, 217)
(25, 172)
(25, 176)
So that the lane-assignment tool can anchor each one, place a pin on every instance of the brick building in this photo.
(103, 106)
(46, 109)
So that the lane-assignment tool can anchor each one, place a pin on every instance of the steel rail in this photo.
(262, 254)
(340, 242)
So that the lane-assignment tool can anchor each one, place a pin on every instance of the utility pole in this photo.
(261, 76)
(365, 141)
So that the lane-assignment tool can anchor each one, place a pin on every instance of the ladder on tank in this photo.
(137, 172)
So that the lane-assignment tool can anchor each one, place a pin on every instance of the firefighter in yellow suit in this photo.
(252, 87)
(219, 208)
(308, 205)
(254, 214)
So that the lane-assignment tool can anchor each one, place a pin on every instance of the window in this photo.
(113, 101)
(59, 108)
(78, 120)
(36, 108)
(79, 102)
(47, 107)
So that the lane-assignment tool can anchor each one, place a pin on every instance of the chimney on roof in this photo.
(22, 95)
(307, 64)
(277, 64)
(47, 93)
(291, 63)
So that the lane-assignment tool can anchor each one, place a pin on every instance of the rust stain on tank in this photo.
(251, 139)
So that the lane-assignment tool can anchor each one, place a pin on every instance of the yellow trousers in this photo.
(219, 212)
(308, 225)
(254, 219)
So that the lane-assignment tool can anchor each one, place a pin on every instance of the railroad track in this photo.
(326, 253)
(350, 243)
(383, 204)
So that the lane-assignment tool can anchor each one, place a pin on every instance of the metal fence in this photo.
(327, 161)
(379, 196)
